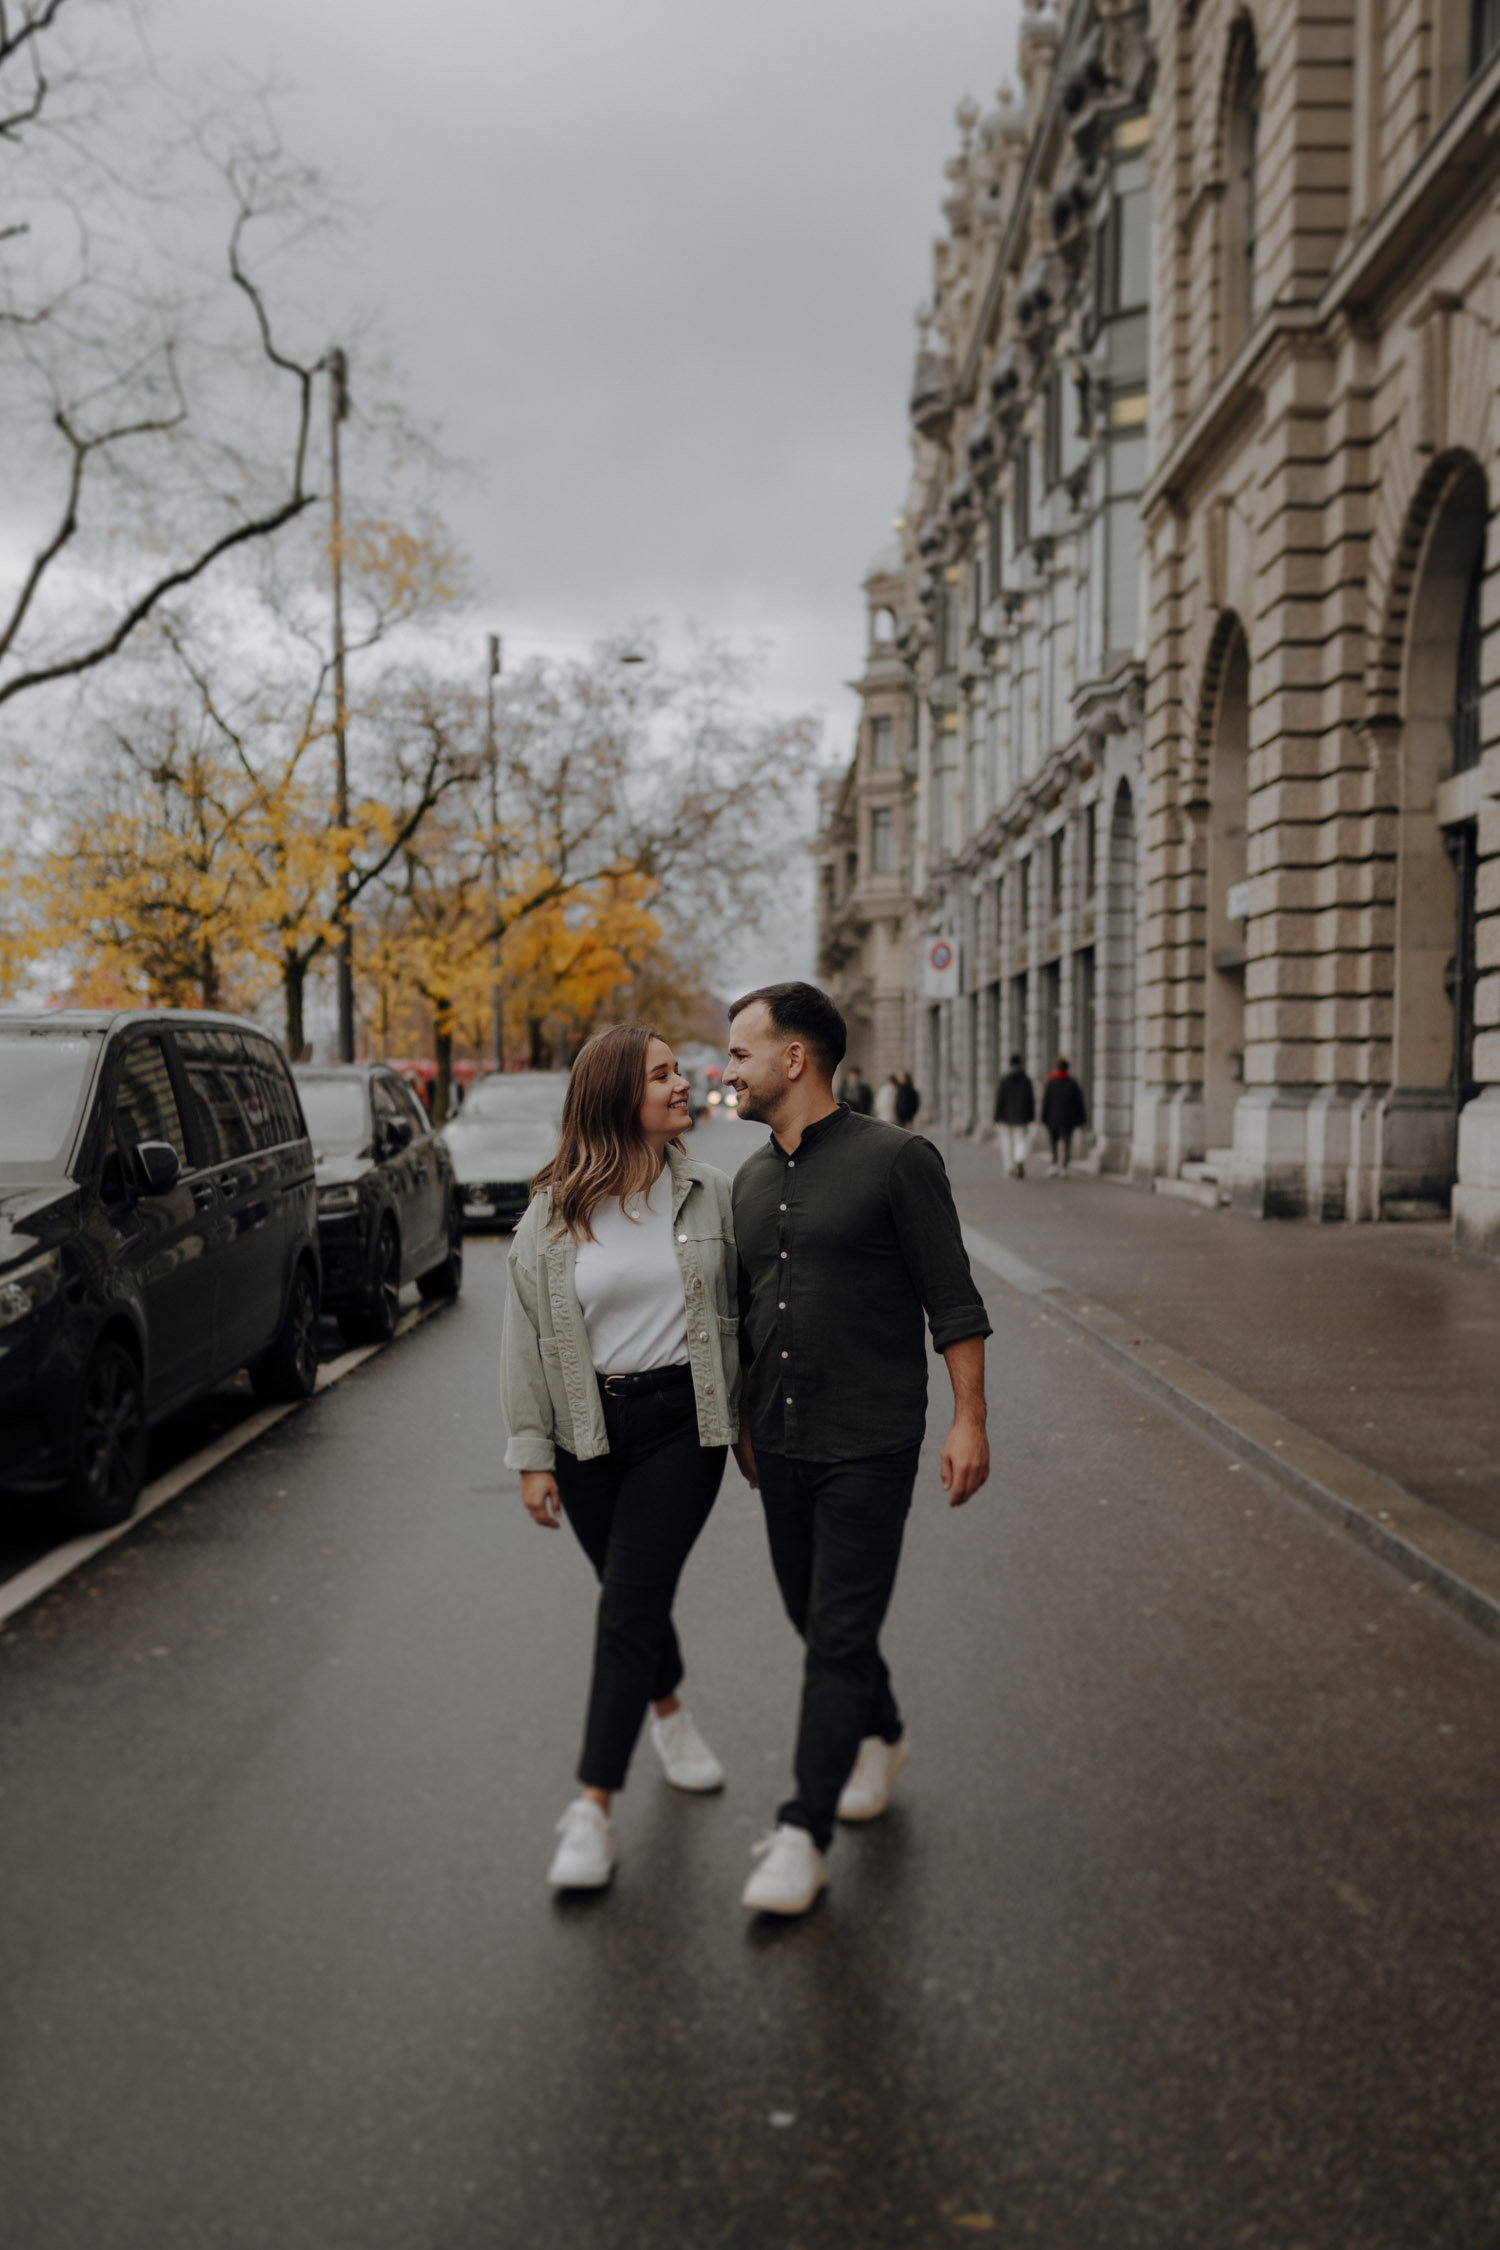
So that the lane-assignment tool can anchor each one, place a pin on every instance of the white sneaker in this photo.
(867, 1792)
(686, 1759)
(791, 1873)
(585, 1859)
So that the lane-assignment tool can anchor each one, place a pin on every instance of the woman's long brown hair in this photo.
(602, 1151)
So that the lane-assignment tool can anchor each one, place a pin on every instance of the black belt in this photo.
(650, 1379)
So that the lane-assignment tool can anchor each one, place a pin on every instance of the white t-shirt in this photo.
(629, 1284)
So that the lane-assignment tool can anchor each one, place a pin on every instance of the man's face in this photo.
(757, 1064)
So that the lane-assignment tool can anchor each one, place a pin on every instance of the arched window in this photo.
(883, 628)
(1241, 134)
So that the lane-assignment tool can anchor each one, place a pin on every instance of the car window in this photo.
(336, 1112)
(386, 1096)
(145, 1104)
(43, 1075)
(410, 1106)
(268, 1095)
(207, 1058)
(514, 1098)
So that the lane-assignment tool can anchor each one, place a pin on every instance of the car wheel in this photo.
(289, 1370)
(375, 1321)
(446, 1278)
(109, 1443)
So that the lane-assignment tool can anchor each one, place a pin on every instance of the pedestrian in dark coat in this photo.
(1063, 1113)
(855, 1093)
(908, 1100)
(1015, 1112)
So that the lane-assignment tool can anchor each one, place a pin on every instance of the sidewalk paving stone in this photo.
(1379, 1340)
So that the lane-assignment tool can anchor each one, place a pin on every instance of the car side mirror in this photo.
(398, 1135)
(157, 1166)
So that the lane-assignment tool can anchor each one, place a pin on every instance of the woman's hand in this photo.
(744, 1453)
(539, 1497)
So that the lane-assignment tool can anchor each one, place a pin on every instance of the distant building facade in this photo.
(1201, 581)
(865, 844)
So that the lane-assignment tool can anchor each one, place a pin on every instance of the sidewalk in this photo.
(1376, 1339)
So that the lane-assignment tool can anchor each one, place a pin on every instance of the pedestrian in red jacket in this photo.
(1063, 1113)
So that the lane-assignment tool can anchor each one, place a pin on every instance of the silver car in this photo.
(503, 1135)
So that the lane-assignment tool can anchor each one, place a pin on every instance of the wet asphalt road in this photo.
(1184, 1928)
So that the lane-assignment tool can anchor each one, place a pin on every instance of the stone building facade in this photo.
(1321, 941)
(865, 844)
(1201, 581)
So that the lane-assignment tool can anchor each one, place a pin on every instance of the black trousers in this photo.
(637, 1511)
(835, 1529)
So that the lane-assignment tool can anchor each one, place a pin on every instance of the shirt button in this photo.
(789, 1398)
(781, 1206)
(682, 1238)
(783, 1256)
(782, 1306)
(786, 1355)
(791, 1163)
(703, 1338)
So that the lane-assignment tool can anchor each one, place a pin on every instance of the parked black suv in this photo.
(388, 1205)
(158, 1230)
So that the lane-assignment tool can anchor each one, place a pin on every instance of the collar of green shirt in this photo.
(811, 1134)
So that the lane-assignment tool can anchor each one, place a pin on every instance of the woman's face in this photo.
(664, 1105)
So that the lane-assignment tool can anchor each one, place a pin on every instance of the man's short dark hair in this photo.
(1016, 1063)
(803, 1012)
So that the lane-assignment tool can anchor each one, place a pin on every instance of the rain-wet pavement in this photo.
(1184, 1927)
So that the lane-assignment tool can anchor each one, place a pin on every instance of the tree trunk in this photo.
(293, 979)
(208, 977)
(538, 1043)
(442, 1041)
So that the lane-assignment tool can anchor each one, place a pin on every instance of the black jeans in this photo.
(1062, 1146)
(637, 1511)
(835, 1530)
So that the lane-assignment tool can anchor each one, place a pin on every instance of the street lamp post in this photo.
(493, 756)
(338, 409)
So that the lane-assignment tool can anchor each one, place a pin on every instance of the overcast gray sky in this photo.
(651, 265)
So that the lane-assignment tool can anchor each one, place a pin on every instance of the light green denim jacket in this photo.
(548, 1388)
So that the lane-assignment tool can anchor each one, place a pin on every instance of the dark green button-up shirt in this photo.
(842, 1249)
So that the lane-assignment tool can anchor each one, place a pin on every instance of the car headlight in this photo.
(26, 1288)
(338, 1202)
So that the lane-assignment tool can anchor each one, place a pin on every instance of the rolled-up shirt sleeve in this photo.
(932, 1245)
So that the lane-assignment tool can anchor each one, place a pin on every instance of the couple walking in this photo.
(657, 1317)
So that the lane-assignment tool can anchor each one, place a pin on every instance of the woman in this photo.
(619, 1375)
(885, 1100)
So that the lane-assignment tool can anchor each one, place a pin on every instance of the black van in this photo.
(158, 1230)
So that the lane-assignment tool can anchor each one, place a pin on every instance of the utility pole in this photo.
(337, 365)
(493, 754)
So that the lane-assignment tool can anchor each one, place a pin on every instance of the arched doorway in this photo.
(1224, 997)
(1115, 1105)
(1434, 966)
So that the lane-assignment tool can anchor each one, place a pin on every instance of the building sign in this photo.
(940, 969)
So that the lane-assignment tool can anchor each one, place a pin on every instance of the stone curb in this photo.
(1430, 1548)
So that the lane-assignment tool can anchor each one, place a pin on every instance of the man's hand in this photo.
(966, 1461)
(966, 1450)
(539, 1497)
(744, 1453)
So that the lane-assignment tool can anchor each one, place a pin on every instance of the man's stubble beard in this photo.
(759, 1109)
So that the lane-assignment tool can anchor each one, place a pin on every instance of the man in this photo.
(1015, 1110)
(855, 1094)
(1063, 1114)
(846, 1234)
